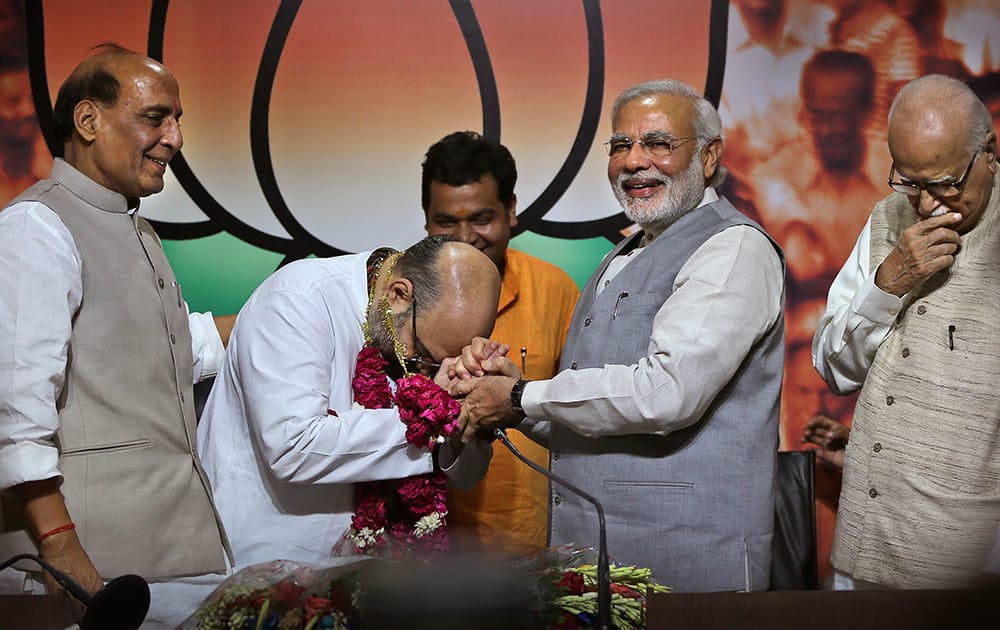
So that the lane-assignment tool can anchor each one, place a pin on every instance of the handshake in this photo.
(481, 379)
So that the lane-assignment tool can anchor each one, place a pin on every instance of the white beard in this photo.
(678, 195)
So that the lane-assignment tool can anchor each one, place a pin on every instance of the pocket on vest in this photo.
(106, 448)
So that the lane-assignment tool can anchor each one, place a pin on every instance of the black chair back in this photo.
(793, 551)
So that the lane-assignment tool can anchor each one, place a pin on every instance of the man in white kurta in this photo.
(281, 437)
(911, 319)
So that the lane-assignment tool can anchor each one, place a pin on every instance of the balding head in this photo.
(941, 137)
(96, 78)
(441, 293)
(465, 304)
(942, 105)
(118, 115)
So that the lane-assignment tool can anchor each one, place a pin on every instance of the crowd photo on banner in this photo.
(440, 320)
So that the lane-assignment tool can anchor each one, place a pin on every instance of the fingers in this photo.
(924, 249)
(443, 378)
(502, 366)
(932, 223)
(476, 356)
(471, 362)
(500, 350)
(459, 388)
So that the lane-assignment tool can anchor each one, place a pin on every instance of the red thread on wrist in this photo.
(52, 532)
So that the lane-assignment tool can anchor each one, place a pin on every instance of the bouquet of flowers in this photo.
(567, 577)
(284, 595)
(558, 590)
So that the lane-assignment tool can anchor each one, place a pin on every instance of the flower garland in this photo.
(406, 515)
(400, 516)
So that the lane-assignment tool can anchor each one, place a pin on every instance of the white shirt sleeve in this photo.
(41, 286)
(858, 318)
(286, 361)
(206, 345)
(726, 297)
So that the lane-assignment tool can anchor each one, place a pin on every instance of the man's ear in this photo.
(399, 293)
(512, 212)
(86, 119)
(991, 152)
(710, 156)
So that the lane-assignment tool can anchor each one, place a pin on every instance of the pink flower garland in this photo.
(407, 514)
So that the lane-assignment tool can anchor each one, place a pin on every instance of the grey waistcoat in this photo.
(132, 481)
(920, 500)
(695, 506)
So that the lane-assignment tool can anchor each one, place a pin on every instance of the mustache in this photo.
(648, 174)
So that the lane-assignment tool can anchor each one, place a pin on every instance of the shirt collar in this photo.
(88, 190)
(707, 197)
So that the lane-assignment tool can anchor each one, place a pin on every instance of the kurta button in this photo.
(557, 499)
(586, 322)
(872, 492)
(889, 400)
(921, 309)
(877, 446)
(573, 365)
(172, 338)
(160, 282)
(906, 352)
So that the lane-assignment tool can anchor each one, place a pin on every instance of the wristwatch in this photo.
(515, 395)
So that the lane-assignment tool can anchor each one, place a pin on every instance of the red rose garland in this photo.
(407, 514)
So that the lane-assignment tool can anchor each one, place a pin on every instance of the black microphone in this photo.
(603, 567)
(121, 605)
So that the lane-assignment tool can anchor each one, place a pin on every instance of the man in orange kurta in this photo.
(468, 191)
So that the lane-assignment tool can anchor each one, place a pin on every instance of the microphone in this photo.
(121, 605)
(603, 567)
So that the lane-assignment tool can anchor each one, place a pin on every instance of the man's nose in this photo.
(636, 159)
(927, 203)
(172, 135)
(466, 232)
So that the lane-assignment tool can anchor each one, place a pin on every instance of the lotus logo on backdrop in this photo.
(306, 122)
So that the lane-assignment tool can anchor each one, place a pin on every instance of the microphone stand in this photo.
(603, 567)
(121, 604)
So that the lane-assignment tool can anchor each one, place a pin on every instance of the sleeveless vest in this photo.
(920, 502)
(695, 506)
(131, 479)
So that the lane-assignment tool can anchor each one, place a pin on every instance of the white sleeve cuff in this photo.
(876, 305)
(206, 346)
(28, 461)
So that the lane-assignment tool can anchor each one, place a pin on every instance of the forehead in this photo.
(666, 112)
(928, 149)
(470, 197)
(145, 83)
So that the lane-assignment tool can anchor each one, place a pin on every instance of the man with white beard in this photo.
(666, 408)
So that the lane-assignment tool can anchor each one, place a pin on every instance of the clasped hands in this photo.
(481, 379)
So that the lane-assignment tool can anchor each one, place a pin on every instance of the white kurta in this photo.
(281, 467)
(859, 317)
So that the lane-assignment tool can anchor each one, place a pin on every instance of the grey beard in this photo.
(681, 194)
(382, 337)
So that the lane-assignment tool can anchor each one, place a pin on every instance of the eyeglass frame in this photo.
(416, 362)
(914, 190)
(663, 136)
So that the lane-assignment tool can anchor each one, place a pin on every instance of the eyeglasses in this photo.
(937, 189)
(418, 363)
(657, 144)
